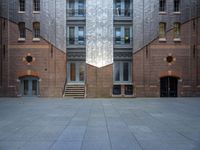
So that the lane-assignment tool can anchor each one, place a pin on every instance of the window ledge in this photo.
(21, 12)
(162, 39)
(21, 39)
(177, 40)
(177, 13)
(36, 12)
(36, 39)
(162, 13)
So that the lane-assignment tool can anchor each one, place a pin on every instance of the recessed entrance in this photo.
(29, 86)
(168, 87)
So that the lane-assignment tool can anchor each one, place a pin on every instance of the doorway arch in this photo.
(29, 86)
(168, 86)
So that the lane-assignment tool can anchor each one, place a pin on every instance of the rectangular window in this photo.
(21, 5)
(81, 6)
(76, 35)
(122, 8)
(177, 30)
(162, 6)
(116, 89)
(22, 30)
(128, 90)
(71, 8)
(122, 71)
(176, 5)
(72, 72)
(127, 8)
(81, 71)
(36, 30)
(123, 35)
(76, 8)
(162, 29)
(36, 5)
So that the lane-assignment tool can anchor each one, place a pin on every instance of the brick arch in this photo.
(28, 73)
(170, 74)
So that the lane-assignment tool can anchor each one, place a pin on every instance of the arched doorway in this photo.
(29, 86)
(168, 86)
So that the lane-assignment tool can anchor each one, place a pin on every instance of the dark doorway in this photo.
(168, 87)
(29, 86)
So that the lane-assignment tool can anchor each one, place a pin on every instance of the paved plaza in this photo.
(100, 124)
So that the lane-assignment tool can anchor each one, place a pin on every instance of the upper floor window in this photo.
(162, 30)
(22, 30)
(21, 5)
(76, 8)
(162, 5)
(176, 5)
(36, 30)
(177, 30)
(122, 8)
(36, 5)
(76, 35)
(123, 35)
(122, 71)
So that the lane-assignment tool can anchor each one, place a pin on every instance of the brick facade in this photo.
(149, 64)
(49, 63)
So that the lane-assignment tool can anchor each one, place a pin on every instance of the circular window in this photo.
(169, 59)
(29, 59)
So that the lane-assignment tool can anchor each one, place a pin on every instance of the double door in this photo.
(168, 87)
(29, 86)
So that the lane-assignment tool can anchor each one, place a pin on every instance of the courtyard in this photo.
(100, 124)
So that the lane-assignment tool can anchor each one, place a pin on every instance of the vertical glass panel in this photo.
(34, 87)
(36, 5)
(118, 35)
(176, 5)
(36, 28)
(127, 36)
(162, 29)
(128, 90)
(81, 7)
(72, 72)
(125, 71)
(117, 71)
(162, 5)
(116, 89)
(176, 30)
(71, 35)
(118, 8)
(127, 8)
(81, 71)
(26, 89)
(22, 30)
(80, 35)
(21, 5)
(71, 8)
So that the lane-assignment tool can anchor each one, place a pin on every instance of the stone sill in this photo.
(162, 40)
(21, 12)
(36, 12)
(177, 13)
(177, 40)
(21, 39)
(162, 13)
(36, 39)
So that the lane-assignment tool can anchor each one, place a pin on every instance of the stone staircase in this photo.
(74, 91)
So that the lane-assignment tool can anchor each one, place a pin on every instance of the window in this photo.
(22, 30)
(128, 90)
(176, 5)
(21, 5)
(162, 29)
(76, 8)
(162, 5)
(36, 30)
(116, 89)
(122, 8)
(76, 35)
(76, 72)
(36, 5)
(122, 71)
(177, 28)
(123, 35)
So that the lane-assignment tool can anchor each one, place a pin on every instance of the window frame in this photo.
(162, 5)
(162, 36)
(76, 35)
(22, 6)
(75, 11)
(122, 36)
(121, 72)
(22, 31)
(177, 31)
(177, 9)
(36, 6)
(36, 30)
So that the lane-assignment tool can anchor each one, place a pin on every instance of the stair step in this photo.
(74, 91)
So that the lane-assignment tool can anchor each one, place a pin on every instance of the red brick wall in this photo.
(99, 81)
(49, 64)
(149, 64)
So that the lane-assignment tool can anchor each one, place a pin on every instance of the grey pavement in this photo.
(100, 124)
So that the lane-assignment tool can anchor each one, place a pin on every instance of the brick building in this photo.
(100, 48)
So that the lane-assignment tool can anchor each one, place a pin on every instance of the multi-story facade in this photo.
(106, 48)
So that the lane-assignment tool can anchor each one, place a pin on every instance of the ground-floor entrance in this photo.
(29, 86)
(168, 87)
